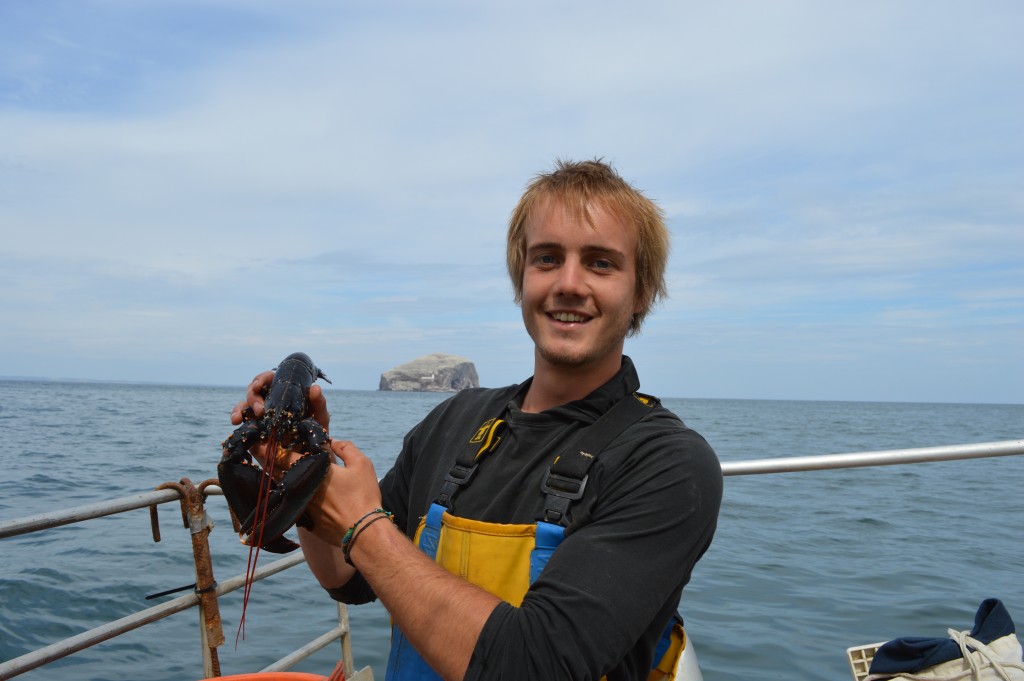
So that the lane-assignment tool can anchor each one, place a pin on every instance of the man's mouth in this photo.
(567, 317)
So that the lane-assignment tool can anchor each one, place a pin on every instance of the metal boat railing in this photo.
(206, 592)
(890, 457)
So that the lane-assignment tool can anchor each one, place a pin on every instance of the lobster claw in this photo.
(287, 503)
(240, 484)
(242, 480)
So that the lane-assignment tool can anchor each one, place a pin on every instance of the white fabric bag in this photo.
(1000, 660)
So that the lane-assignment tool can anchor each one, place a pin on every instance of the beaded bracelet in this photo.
(349, 540)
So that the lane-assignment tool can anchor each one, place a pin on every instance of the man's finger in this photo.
(254, 392)
(318, 404)
(236, 413)
(346, 451)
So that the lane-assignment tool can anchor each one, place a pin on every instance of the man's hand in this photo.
(349, 492)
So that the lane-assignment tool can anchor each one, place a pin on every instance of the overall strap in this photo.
(485, 440)
(567, 478)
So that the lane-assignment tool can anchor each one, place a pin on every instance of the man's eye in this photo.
(602, 264)
(546, 259)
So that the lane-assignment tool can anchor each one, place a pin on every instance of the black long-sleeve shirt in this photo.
(649, 513)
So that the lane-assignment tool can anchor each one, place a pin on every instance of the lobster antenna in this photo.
(255, 539)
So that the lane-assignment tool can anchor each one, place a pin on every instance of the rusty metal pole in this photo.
(199, 525)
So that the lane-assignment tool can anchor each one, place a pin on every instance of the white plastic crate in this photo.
(860, 659)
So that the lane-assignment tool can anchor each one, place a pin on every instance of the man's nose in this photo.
(571, 279)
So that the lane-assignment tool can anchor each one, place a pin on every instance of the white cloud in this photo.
(266, 177)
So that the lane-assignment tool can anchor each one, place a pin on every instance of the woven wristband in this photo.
(352, 530)
(346, 548)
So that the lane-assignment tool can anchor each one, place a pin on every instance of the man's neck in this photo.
(555, 385)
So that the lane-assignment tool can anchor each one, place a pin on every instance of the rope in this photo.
(963, 639)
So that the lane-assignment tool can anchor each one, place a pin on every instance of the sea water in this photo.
(803, 565)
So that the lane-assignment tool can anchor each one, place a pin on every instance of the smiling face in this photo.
(579, 288)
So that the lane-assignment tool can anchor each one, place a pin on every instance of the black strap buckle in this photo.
(561, 491)
(562, 486)
(458, 476)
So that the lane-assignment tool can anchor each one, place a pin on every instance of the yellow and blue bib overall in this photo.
(502, 559)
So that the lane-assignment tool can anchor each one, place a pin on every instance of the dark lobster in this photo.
(266, 508)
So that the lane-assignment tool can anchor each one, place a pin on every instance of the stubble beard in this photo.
(579, 356)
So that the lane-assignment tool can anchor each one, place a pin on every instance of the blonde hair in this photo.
(577, 184)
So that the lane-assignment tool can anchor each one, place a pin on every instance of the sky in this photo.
(192, 190)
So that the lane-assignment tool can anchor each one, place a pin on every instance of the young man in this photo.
(498, 598)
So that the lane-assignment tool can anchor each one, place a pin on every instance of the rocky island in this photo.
(437, 372)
